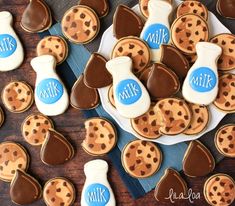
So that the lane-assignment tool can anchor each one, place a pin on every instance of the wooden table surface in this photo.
(71, 125)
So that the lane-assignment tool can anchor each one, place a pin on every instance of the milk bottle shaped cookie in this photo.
(11, 50)
(96, 190)
(201, 83)
(130, 96)
(51, 96)
(156, 30)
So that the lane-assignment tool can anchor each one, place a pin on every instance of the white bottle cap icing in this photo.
(131, 97)
(201, 83)
(51, 97)
(11, 50)
(96, 190)
(156, 30)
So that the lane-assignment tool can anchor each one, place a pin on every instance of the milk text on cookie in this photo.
(131, 97)
(128, 91)
(7, 45)
(49, 91)
(156, 35)
(97, 194)
(96, 190)
(203, 79)
(201, 83)
(156, 30)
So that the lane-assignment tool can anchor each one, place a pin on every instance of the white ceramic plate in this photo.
(107, 43)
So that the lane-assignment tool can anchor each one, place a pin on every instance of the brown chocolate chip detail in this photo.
(82, 15)
(103, 146)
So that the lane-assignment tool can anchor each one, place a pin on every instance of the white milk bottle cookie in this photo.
(51, 96)
(96, 190)
(11, 50)
(156, 30)
(201, 83)
(130, 96)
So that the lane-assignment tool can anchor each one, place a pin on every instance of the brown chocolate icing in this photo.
(170, 181)
(36, 17)
(101, 7)
(173, 59)
(226, 8)
(162, 82)
(126, 22)
(96, 75)
(24, 189)
(56, 149)
(83, 97)
(198, 161)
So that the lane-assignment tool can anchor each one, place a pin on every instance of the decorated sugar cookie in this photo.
(201, 83)
(156, 30)
(11, 50)
(131, 97)
(96, 190)
(51, 96)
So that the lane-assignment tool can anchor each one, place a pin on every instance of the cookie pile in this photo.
(161, 75)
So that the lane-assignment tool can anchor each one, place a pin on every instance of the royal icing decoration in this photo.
(51, 96)
(11, 50)
(96, 190)
(156, 30)
(201, 83)
(131, 97)
(49, 90)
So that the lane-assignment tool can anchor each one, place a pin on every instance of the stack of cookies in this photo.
(166, 83)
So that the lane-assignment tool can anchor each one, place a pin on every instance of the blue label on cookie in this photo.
(97, 195)
(8, 45)
(128, 91)
(49, 91)
(155, 35)
(202, 79)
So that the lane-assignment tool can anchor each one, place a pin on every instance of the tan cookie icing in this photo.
(1, 117)
(219, 190)
(192, 7)
(12, 156)
(80, 24)
(225, 100)
(58, 191)
(141, 159)
(136, 49)
(35, 127)
(143, 4)
(100, 136)
(225, 140)
(200, 119)
(17, 96)
(110, 96)
(226, 61)
(175, 115)
(187, 31)
(55, 46)
(148, 124)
